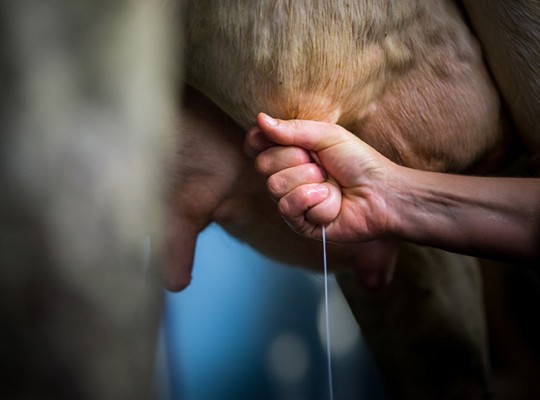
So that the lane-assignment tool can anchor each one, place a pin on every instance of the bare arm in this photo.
(489, 217)
(359, 195)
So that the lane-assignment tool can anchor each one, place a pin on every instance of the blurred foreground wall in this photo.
(85, 111)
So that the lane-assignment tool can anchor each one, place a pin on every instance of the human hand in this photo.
(321, 174)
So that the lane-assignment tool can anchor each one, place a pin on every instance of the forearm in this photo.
(491, 217)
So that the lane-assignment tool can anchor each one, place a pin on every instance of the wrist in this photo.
(389, 190)
(413, 210)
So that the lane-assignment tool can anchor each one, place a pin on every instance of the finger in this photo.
(278, 158)
(286, 180)
(294, 205)
(256, 142)
(311, 135)
(327, 210)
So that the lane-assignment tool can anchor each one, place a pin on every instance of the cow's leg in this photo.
(427, 329)
(512, 302)
(510, 36)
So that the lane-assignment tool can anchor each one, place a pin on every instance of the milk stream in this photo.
(327, 317)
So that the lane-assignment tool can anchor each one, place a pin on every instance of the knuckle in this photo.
(299, 156)
(274, 185)
(297, 124)
(261, 164)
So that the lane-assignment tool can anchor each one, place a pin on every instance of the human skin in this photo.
(360, 195)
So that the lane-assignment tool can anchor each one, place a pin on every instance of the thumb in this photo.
(311, 135)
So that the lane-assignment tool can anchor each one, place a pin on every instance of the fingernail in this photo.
(269, 120)
(320, 190)
(323, 190)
